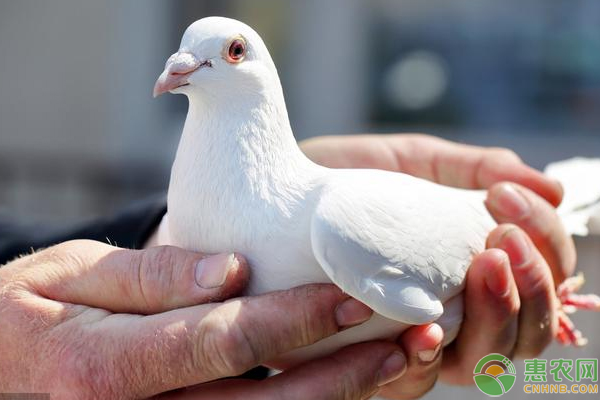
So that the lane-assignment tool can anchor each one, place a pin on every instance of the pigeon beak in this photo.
(177, 71)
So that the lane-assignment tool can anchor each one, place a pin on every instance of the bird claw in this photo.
(567, 333)
(570, 302)
(570, 285)
(582, 302)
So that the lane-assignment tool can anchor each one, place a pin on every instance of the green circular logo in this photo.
(494, 375)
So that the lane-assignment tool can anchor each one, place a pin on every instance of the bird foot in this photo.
(570, 302)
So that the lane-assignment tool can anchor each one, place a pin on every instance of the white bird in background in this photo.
(239, 182)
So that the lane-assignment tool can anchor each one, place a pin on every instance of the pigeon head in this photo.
(217, 56)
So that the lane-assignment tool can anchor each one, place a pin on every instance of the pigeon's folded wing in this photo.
(397, 243)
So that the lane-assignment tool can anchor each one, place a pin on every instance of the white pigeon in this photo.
(240, 183)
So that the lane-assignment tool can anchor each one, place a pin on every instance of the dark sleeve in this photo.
(129, 228)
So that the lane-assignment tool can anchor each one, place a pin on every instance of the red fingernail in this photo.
(497, 276)
(517, 247)
(510, 202)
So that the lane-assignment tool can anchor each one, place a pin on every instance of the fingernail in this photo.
(352, 312)
(392, 368)
(211, 271)
(428, 356)
(517, 247)
(497, 276)
(510, 202)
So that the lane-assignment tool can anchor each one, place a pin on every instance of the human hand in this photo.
(87, 320)
(511, 315)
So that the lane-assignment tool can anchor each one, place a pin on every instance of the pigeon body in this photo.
(239, 182)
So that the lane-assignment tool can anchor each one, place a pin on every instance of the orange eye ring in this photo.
(236, 50)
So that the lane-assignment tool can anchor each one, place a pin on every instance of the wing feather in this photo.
(399, 244)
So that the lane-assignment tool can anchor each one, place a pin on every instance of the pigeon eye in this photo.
(236, 51)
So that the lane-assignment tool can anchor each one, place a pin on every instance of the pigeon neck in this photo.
(246, 142)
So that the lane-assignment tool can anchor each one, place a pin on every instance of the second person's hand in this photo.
(504, 312)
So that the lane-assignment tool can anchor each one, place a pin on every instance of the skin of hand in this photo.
(85, 320)
(510, 301)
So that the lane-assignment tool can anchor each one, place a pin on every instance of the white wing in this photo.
(399, 244)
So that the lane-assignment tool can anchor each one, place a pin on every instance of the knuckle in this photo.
(304, 329)
(313, 307)
(161, 255)
(535, 285)
(321, 299)
(225, 347)
(348, 385)
(504, 154)
(154, 276)
(353, 388)
(508, 307)
(345, 388)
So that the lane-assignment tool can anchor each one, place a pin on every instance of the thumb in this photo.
(146, 281)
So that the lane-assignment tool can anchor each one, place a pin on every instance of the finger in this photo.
(537, 318)
(491, 315)
(203, 343)
(135, 281)
(355, 372)
(356, 151)
(511, 203)
(432, 158)
(422, 345)
(469, 167)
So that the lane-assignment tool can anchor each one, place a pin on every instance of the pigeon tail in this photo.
(580, 208)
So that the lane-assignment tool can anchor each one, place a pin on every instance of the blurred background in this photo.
(81, 136)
